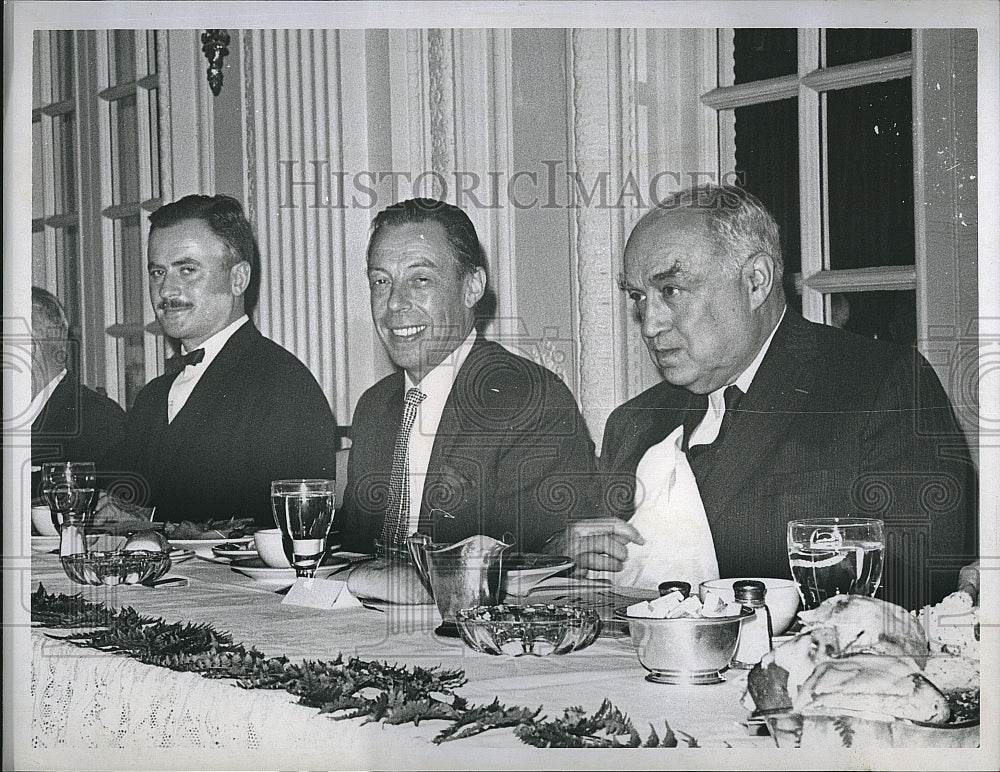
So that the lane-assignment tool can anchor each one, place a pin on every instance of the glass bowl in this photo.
(113, 567)
(535, 629)
(685, 650)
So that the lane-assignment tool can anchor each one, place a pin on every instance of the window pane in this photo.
(124, 157)
(764, 53)
(64, 140)
(62, 65)
(154, 143)
(36, 80)
(844, 46)
(886, 315)
(767, 160)
(870, 175)
(121, 50)
(131, 304)
(68, 274)
(37, 177)
(151, 52)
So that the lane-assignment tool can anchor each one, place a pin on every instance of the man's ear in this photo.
(758, 277)
(475, 287)
(239, 278)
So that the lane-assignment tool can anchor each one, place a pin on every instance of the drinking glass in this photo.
(835, 556)
(68, 488)
(303, 510)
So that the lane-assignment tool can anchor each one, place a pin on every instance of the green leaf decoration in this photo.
(341, 689)
(843, 726)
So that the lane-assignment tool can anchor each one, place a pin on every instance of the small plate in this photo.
(235, 549)
(259, 571)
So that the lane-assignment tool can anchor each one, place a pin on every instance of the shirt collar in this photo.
(215, 344)
(42, 397)
(442, 377)
(747, 376)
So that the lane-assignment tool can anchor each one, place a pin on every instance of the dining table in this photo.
(88, 703)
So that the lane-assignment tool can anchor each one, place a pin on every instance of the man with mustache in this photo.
(763, 418)
(234, 410)
(467, 438)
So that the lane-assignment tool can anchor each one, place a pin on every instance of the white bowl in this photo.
(270, 549)
(41, 519)
(782, 598)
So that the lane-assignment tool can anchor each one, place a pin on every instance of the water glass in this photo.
(835, 556)
(303, 510)
(69, 488)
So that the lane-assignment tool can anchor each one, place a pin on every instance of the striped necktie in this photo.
(397, 511)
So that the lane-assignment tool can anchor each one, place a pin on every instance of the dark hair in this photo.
(738, 222)
(224, 216)
(461, 235)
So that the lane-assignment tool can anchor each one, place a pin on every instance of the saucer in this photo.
(259, 571)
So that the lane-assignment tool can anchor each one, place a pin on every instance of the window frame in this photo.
(813, 80)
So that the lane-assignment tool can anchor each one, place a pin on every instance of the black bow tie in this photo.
(176, 364)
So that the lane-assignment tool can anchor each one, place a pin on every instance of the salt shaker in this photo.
(756, 633)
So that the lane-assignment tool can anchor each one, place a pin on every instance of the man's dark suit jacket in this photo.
(256, 415)
(833, 425)
(76, 424)
(512, 455)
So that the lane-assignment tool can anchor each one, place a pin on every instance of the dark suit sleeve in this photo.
(366, 493)
(296, 437)
(918, 477)
(547, 476)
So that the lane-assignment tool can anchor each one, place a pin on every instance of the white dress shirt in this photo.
(39, 401)
(669, 512)
(437, 386)
(188, 378)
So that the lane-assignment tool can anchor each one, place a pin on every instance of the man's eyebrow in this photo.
(677, 269)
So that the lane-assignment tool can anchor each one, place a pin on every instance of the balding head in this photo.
(49, 338)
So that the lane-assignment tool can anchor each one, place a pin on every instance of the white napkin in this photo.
(671, 518)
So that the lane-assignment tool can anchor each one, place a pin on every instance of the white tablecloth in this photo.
(83, 699)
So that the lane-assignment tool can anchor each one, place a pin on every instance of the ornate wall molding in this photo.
(602, 143)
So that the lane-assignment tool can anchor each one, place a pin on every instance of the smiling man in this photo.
(763, 417)
(234, 410)
(467, 438)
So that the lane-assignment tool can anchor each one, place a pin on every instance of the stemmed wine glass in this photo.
(303, 510)
(69, 488)
(835, 556)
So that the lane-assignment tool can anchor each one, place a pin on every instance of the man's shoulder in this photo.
(95, 402)
(663, 395)
(495, 376)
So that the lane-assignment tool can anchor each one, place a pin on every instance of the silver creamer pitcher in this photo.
(458, 576)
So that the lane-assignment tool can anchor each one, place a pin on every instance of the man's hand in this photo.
(390, 580)
(600, 544)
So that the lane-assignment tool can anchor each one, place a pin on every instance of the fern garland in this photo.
(351, 689)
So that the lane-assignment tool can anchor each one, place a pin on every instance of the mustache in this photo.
(173, 305)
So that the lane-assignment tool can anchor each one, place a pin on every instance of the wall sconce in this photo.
(214, 44)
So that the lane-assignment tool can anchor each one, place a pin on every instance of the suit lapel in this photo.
(777, 394)
(207, 399)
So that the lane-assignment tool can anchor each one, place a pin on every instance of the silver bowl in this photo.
(685, 650)
(536, 629)
(112, 567)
